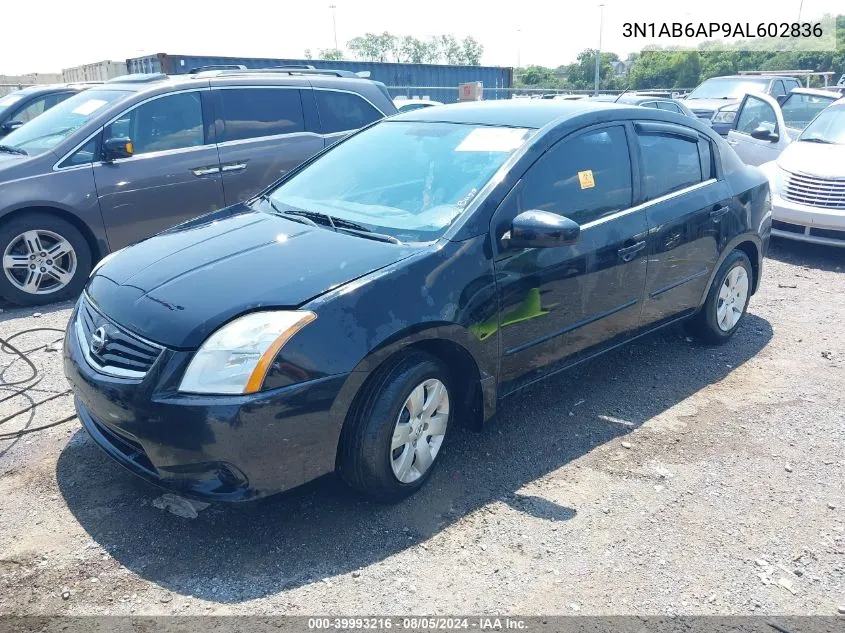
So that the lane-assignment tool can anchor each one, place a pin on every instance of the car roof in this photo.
(48, 88)
(526, 113)
(816, 92)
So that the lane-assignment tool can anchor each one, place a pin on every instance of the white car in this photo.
(762, 128)
(807, 182)
(406, 105)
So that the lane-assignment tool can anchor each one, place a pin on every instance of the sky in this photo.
(58, 35)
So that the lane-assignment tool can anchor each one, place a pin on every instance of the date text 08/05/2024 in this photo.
(722, 29)
(417, 623)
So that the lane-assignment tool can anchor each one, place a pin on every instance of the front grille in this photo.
(703, 114)
(814, 191)
(122, 354)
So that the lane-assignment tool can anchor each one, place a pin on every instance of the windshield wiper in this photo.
(816, 140)
(12, 150)
(295, 217)
(334, 223)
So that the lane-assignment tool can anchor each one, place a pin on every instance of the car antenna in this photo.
(620, 95)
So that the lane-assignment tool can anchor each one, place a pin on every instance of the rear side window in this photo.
(670, 163)
(791, 84)
(255, 112)
(671, 107)
(166, 123)
(799, 109)
(777, 89)
(343, 111)
(583, 178)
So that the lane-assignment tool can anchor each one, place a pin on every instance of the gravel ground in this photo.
(666, 477)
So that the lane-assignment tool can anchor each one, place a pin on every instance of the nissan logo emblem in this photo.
(98, 340)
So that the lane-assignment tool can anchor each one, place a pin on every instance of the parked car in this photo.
(125, 160)
(406, 105)
(763, 127)
(22, 106)
(354, 312)
(715, 98)
(650, 101)
(808, 182)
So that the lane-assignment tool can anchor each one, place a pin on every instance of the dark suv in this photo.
(21, 106)
(141, 153)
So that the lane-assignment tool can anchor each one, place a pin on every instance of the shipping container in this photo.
(433, 81)
(98, 71)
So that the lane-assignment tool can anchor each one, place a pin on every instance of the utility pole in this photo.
(334, 23)
(598, 52)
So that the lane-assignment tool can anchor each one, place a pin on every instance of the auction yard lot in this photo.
(665, 477)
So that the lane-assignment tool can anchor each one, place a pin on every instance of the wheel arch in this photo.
(97, 249)
(752, 246)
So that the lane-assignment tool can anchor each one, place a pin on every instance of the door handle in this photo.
(205, 171)
(628, 253)
(716, 214)
(233, 167)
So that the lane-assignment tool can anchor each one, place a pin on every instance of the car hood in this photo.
(181, 285)
(711, 105)
(814, 159)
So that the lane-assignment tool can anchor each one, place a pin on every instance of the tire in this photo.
(367, 460)
(709, 324)
(73, 266)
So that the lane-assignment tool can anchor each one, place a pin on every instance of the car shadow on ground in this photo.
(233, 553)
(816, 256)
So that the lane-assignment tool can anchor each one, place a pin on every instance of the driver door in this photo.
(556, 304)
(758, 111)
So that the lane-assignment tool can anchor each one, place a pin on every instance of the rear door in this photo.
(558, 303)
(173, 175)
(341, 112)
(758, 111)
(689, 216)
(261, 135)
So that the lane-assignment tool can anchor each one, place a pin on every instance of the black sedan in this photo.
(403, 282)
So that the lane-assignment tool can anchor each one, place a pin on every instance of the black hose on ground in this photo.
(23, 385)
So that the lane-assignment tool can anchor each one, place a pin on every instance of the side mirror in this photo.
(117, 147)
(763, 133)
(10, 126)
(540, 229)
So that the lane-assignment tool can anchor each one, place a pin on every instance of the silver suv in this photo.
(125, 160)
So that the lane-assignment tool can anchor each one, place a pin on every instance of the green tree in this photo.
(451, 49)
(308, 54)
(333, 54)
(472, 51)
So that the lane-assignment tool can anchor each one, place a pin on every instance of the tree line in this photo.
(655, 67)
(386, 47)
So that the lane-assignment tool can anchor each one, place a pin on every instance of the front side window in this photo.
(31, 110)
(777, 89)
(343, 111)
(799, 109)
(166, 123)
(254, 112)
(728, 88)
(756, 113)
(671, 107)
(407, 179)
(51, 128)
(669, 163)
(583, 178)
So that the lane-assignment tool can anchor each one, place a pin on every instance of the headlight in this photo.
(235, 359)
(100, 263)
(724, 116)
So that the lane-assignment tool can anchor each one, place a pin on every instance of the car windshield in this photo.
(728, 88)
(409, 180)
(48, 130)
(799, 109)
(827, 127)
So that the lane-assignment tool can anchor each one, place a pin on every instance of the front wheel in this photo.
(395, 434)
(726, 302)
(45, 259)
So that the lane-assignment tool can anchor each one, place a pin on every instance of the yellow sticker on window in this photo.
(586, 179)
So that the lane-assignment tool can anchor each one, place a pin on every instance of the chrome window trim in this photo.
(648, 203)
(115, 118)
(274, 137)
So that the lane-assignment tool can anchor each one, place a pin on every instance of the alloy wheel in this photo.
(732, 298)
(420, 430)
(39, 262)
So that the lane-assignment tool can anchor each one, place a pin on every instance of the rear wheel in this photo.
(395, 433)
(726, 302)
(45, 259)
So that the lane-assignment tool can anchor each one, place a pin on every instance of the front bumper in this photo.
(222, 448)
(805, 223)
